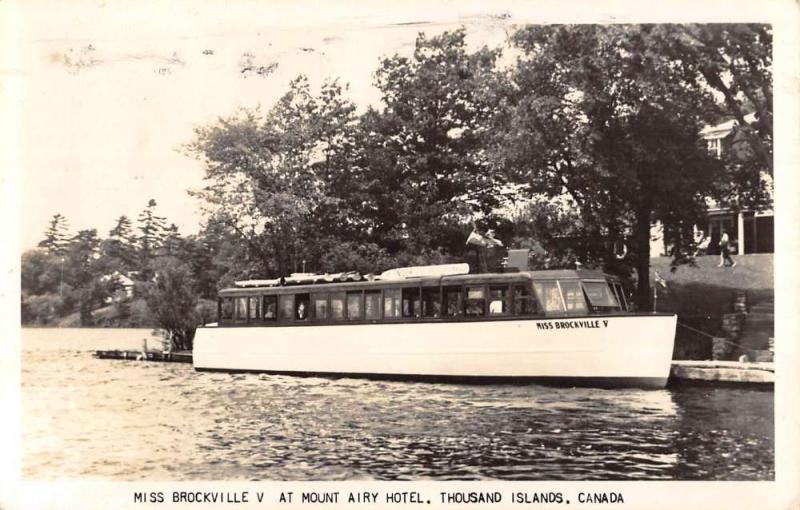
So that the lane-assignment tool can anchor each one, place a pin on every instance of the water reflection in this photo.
(130, 420)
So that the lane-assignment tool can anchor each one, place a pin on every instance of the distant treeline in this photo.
(574, 142)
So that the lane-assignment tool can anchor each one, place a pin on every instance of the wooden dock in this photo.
(722, 372)
(169, 357)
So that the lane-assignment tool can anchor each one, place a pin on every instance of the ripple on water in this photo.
(129, 420)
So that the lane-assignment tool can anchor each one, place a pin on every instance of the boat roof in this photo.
(462, 279)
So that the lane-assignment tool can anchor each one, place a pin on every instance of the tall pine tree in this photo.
(151, 233)
(55, 238)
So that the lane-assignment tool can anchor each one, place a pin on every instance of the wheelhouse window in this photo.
(600, 296)
(270, 308)
(320, 304)
(524, 301)
(354, 306)
(499, 302)
(550, 297)
(476, 301)
(452, 301)
(226, 308)
(337, 306)
(302, 307)
(286, 307)
(573, 296)
(241, 308)
(431, 302)
(372, 305)
(392, 308)
(411, 303)
(620, 293)
(255, 307)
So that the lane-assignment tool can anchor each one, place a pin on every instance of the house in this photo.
(750, 231)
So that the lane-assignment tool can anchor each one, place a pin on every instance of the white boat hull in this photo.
(629, 350)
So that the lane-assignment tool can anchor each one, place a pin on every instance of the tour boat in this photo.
(441, 323)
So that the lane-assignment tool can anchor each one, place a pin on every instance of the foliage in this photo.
(172, 300)
(598, 116)
(55, 238)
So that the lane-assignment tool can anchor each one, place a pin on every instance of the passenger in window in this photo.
(302, 314)
(496, 307)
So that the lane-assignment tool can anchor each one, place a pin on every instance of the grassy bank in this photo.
(705, 289)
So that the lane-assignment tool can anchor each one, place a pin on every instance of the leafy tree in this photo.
(598, 117)
(270, 179)
(427, 150)
(172, 300)
(55, 238)
(735, 61)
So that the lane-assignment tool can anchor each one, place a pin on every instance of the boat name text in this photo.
(573, 324)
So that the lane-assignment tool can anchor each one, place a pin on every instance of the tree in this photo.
(596, 116)
(428, 155)
(151, 232)
(120, 246)
(172, 300)
(84, 270)
(270, 179)
(55, 238)
(735, 61)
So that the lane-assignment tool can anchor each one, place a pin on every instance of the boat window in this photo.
(320, 306)
(476, 301)
(270, 308)
(452, 301)
(286, 307)
(550, 297)
(498, 300)
(391, 304)
(600, 296)
(411, 306)
(623, 301)
(241, 308)
(431, 302)
(372, 305)
(302, 306)
(524, 300)
(354, 306)
(255, 307)
(573, 296)
(226, 308)
(337, 306)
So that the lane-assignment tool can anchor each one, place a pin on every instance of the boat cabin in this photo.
(441, 298)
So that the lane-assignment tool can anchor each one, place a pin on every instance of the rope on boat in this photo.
(724, 340)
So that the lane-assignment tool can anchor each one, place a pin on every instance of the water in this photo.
(127, 420)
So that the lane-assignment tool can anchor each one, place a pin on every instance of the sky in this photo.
(112, 94)
(106, 94)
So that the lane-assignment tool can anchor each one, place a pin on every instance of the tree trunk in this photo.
(641, 240)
